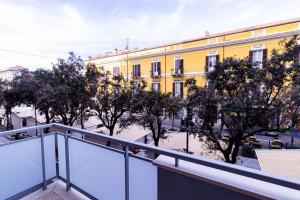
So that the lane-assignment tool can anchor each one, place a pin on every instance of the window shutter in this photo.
(152, 86)
(181, 65)
(265, 57)
(158, 86)
(152, 68)
(139, 70)
(158, 68)
(133, 70)
(217, 58)
(251, 57)
(206, 64)
(174, 89)
(181, 89)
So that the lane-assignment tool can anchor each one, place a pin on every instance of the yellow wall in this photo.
(194, 60)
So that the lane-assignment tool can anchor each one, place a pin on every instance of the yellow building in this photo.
(165, 67)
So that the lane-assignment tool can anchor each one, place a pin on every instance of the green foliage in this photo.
(242, 97)
(150, 108)
(112, 100)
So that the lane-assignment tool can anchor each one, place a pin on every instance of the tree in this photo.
(150, 109)
(89, 91)
(243, 97)
(44, 98)
(68, 88)
(112, 100)
(21, 90)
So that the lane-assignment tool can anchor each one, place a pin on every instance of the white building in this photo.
(24, 116)
(9, 73)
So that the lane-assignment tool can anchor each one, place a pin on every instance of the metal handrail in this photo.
(252, 173)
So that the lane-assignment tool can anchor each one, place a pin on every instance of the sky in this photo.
(34, 33)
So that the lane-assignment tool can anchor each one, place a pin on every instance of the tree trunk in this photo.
(81, 119)
(230, 155)
(235, 152)
(156, 143)
(172, 121)
(36, 132)
(111, 133)
(7, 120)
(226, 157)
(47, 121)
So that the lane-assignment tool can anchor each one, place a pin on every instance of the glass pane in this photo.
(21, 165)
(98, 171)
(143, 180)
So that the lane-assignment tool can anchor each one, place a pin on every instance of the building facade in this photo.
(165, 67)
(8, 74)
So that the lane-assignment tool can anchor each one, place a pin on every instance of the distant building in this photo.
(9, 73)
(21, 117)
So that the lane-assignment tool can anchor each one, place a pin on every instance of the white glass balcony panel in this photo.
(142, 179)
(21, 165)
(61, 155)
(96, 170)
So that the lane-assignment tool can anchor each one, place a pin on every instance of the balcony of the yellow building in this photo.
(155, 74)
(177, 72)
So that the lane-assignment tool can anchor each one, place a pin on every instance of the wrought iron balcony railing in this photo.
(177, 72)
(155, 74)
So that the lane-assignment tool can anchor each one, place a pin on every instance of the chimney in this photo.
(206, 33)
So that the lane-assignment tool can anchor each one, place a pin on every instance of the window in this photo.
(211, 62)
(136, 70)
(24, 122)
(136, 86)
(155, 68)
(116, 71)
(178, 66)
(156, 86)
(177, 89)
(257, 58)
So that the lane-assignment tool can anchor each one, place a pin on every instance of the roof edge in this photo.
(240, 30)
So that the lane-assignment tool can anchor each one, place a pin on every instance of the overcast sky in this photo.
(33, 33)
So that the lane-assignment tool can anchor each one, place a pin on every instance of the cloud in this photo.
(52, 28)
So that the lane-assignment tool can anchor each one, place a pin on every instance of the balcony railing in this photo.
(155, 74)
(102, 172)
(177, 72)
(135, 75)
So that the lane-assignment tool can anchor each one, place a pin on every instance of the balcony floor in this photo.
(56, 191)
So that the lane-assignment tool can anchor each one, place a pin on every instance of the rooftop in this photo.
(207, 36)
